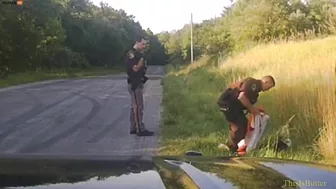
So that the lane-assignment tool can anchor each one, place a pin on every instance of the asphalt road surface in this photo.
(78, 116)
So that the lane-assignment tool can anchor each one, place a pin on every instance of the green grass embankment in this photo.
(303, 101)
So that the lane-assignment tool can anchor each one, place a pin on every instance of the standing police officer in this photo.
(135, 63)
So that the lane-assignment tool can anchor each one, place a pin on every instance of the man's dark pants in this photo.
(237, 128)
(137, 106)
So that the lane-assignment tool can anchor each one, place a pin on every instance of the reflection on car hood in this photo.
(44, 172)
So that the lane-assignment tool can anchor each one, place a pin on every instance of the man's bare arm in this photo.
(138, 65)
(242, 98)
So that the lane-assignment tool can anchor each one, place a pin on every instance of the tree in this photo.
(68, 34)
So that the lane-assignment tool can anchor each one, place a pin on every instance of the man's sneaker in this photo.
(132, 132)
(145, 133)
(223, 146)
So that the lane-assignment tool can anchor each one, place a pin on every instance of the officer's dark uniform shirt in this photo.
(250, 86)
(132, 58)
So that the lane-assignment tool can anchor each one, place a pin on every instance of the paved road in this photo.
(77, 116)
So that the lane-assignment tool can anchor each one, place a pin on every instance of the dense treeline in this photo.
(49, 34)
(249, 22)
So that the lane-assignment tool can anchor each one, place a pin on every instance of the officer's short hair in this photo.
(269, 78)
(139, 39)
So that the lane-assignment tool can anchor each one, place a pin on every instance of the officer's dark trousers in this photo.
(237, 129)
(137, 106)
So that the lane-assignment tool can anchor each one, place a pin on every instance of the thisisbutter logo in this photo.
(305, 183)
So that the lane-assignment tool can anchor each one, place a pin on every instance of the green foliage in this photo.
(67, 34)
(249, 22)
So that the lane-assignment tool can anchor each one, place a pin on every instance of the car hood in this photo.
(138, 172)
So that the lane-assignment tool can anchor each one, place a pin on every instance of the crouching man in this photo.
(237, 98)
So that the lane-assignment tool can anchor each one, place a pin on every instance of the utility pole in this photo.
(191, 40)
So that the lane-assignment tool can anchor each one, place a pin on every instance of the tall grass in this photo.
(303, 101)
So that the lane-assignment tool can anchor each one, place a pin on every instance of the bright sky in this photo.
(167, 15)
